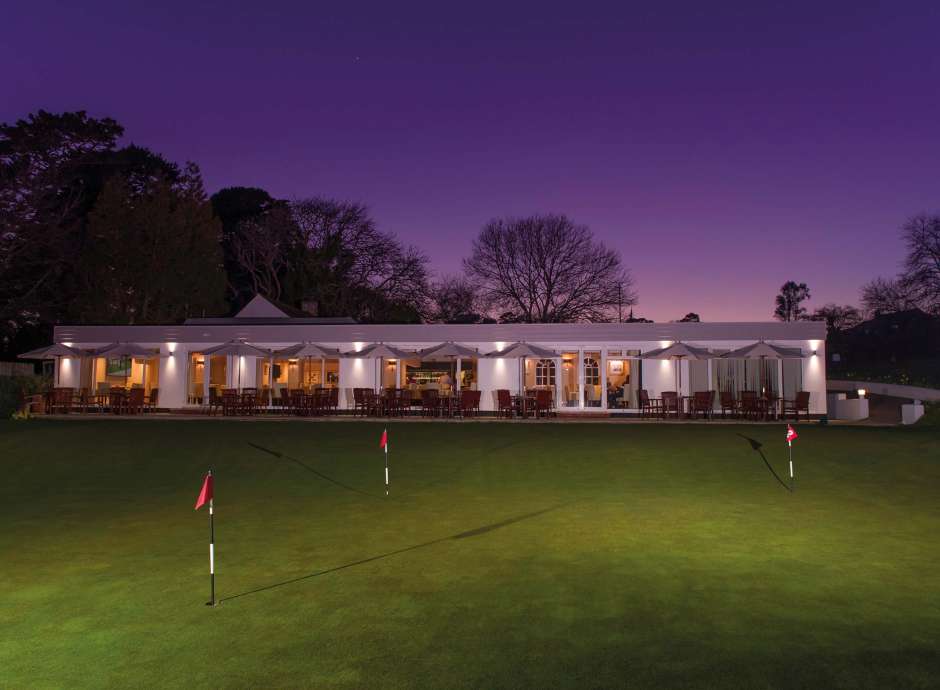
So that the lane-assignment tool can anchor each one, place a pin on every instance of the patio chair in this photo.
(649, 406)
(248, 401)
(117, 400)
(702, 403)
(750, 405)
(543, 403)
(135, 401)
(465, 403)
(372, 402)
(670, 404)
(359, 404)
(728, 403)
(230, 402)
(215, 401)
(297, 404)
(430, 402)
(333, 400)
(85, 400)
(797, 405)
(150, 404)
(504, 403)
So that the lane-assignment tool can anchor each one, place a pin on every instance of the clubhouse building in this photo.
(588, 368)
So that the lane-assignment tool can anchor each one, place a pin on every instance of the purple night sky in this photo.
(722, 150)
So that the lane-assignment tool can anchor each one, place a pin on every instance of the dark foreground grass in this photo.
(507, 556)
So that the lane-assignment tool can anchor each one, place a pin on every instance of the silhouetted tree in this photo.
(454, 299)
(887, 296)
(50, 167)
(260, 250)
(241, 208)
(545, 269)
(837, 317)
(921, 274)
(340, 260)
(789, 301)
(152, 253)
(691, 317)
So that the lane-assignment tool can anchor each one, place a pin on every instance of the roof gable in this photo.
(259, 307)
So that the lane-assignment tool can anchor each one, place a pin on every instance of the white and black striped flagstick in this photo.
(211, 601)
(791, 436)
(790, 452)
(385, 436)
(206, 495)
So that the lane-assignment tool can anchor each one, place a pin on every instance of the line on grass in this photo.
(460, 535)
(461, 467)
(307, 467)
(758, 447)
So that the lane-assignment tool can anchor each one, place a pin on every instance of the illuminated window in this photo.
(592, 372)
(545, 372)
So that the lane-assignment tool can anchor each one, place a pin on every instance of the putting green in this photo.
(508, 555)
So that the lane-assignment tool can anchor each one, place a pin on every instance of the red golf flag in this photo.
(383, 442)
(206, 494)
(791, 434)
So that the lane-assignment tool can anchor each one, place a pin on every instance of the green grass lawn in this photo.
(507, 556)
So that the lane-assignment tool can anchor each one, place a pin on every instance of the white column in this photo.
(604, 378)
(581, 378)
(457, 382)
(559, 403)
(708, 372)
(206, 373)
(398, 373)
(323, 372)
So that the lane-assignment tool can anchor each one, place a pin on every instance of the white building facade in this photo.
(591, 368)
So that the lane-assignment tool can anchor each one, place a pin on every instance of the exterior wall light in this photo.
(862, 392)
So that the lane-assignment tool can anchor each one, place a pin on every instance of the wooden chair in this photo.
(117, 400)
(333, 400)
(150, 404)
(649, 407)
(229, 402)
(750, 405)
(797, 405)
(359, 404)
(728, 403)
(248, 401)
(504, 403)
(670, 404)
(296, 404)
(61, 400)
(430, 402)
(135, 401)
(702, 403)
(543, 403)
(215, 401)
(468, 404)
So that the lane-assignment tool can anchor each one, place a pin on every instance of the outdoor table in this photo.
(522, 404)
(770, 407)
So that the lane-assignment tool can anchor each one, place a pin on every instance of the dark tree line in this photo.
(96, 232)
(90, 231)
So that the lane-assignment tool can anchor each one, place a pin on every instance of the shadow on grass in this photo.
(460, 535)
(757, 446)
(307, 467)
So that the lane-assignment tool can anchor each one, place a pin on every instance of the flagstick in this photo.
(386, 464)
(211, 601)
(790, 452)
